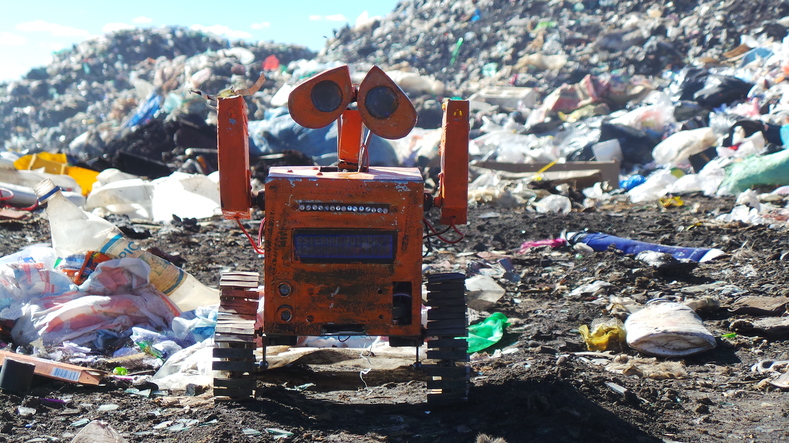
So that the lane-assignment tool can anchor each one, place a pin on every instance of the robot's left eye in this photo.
(326, 96)
(322, 99)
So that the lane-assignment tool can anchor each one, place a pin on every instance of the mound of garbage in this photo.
(686, 97)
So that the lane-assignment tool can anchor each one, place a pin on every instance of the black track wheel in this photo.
(234, 341)
(445, 336)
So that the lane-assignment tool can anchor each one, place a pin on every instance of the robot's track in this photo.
(445, 336)
(235, 340)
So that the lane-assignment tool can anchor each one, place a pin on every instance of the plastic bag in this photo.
(190, 365)
(487, 332)
(678, 147)
(124, 299)
(752, 171)
(603, 335)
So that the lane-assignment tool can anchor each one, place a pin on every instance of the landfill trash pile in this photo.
(467, 45)
(625, 258)
(96, 92)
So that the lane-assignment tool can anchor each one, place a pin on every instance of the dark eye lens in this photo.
(326, 96)
(381, 102)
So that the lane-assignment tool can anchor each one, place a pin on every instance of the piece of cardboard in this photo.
(56, 370)
(583, 174)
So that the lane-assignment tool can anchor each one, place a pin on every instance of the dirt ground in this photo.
(538, 384)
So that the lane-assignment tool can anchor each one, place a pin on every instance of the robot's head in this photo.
(384, 108)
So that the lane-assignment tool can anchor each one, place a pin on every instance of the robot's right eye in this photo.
(381, 102)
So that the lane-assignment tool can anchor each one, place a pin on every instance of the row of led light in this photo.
(370, 209)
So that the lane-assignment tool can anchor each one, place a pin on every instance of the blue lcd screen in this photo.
(344, 246)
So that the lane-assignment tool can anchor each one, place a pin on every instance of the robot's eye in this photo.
(326, 96)
(381, 102)
(321, 100)
(384, 107)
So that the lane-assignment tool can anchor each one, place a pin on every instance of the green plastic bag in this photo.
(487, 332)
(756, 170)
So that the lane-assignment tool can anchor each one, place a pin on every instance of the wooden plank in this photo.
(447, 355)
(234, 366)
(226, 394)
(240, 316)
(233, 338)
(448, 343)
(445, 399)
(452, 276)
(446, 301)
(238, 305)
(236, 323)
(244, 382)
(239, 279)
(602, 171)
(456, 371)
(454, 323)
(447, 332)
(448, 385)
(56, 370)
(240, 353)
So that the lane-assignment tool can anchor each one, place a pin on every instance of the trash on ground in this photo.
(772, 327)
(668, 329)
(75, 231)
(603, 242)
(482, 292)
(57, 370)
(487, 332)
(646, 367)
(603, 334)
(666, 263)
(759, 305)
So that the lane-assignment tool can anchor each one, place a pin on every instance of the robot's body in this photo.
(344, 244)
(343, 252)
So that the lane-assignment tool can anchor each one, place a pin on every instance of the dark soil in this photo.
(535, 385)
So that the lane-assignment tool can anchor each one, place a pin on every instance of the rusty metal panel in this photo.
(307, 298)
(233, 157)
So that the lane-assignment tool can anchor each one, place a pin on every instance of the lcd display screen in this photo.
(344, 246)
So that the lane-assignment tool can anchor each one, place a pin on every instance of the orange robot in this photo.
(343, 245)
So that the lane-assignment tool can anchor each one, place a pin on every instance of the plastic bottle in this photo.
(76, 231)
(601, 242)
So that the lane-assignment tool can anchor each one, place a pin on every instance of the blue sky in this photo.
(31, 32)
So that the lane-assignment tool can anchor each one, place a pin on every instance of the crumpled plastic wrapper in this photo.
(603, 334)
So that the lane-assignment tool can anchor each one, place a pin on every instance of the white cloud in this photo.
(11, 39)
(315, 18)
(53, 29)
(112, 27)
(142, 20)
(222, 30)
(261, 25)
